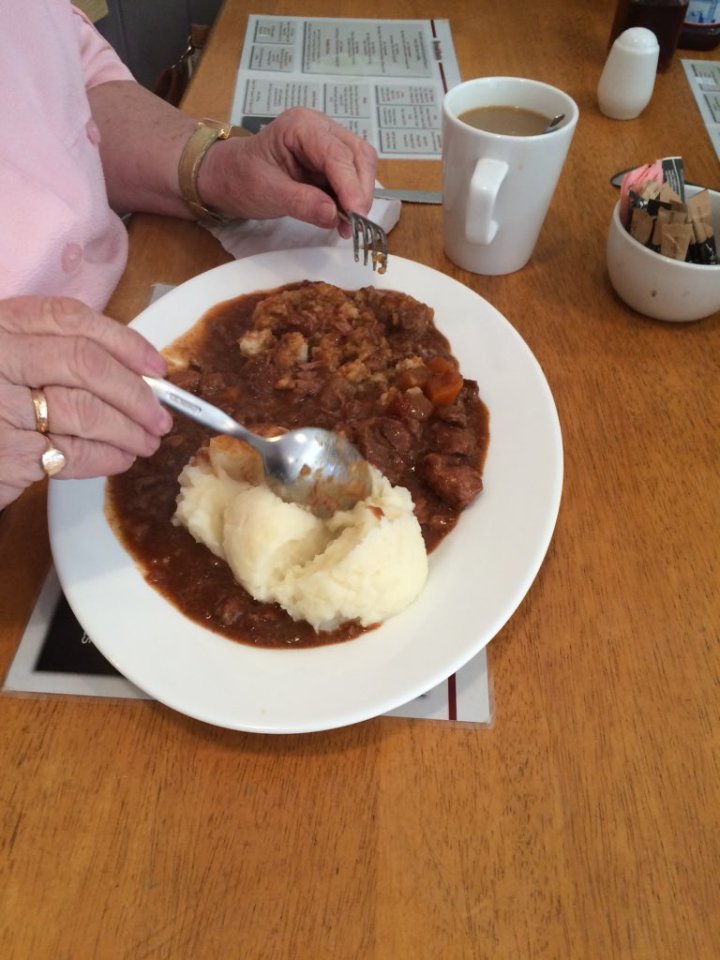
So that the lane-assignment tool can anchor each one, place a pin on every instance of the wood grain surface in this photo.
(583, 824)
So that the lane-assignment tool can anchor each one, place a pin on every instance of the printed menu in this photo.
(704, 79)
(382, 79)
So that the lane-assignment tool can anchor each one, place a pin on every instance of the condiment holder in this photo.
(658, 286)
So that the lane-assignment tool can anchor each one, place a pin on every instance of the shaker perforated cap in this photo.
(638, 40)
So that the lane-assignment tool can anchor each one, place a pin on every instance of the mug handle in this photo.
(484, 186)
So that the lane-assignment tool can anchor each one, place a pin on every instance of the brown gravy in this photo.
(370, 363)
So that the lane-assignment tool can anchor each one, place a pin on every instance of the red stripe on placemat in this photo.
(452, 698)
(440, 63)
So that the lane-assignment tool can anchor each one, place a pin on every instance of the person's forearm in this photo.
(279, 172)
(142, 138)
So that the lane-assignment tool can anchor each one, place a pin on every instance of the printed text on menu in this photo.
(382, 79)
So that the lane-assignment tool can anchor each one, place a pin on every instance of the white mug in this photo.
(497, 187)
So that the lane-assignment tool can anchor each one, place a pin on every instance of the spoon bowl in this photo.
(310, 466)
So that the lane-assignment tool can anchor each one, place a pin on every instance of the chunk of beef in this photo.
(409, 405)
(386, 443)
(452, 413)
(451, 479)
(396, 434)
(398, 311)
(446, 438)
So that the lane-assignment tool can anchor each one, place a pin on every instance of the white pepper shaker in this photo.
(628, 78)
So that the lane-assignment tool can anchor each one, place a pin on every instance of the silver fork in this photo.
(369, 236)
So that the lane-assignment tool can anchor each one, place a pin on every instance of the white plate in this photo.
(478, 575)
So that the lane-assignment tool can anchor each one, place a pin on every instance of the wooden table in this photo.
(584, 822)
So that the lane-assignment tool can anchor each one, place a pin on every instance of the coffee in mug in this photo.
(497, 187)
(508, 120)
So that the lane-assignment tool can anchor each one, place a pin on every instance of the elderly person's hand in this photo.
(87, 370)
(287, 168)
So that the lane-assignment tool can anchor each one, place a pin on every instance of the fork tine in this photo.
(380, 250)
(372, 238)
(355, 235)
(367, 238)
(372, 241)
(378, 245)
(361, 225)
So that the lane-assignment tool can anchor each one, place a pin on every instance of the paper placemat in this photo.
(56, 656)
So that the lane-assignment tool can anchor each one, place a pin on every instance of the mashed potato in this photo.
(364, 564)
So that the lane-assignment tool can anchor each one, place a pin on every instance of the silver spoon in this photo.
(558, 118)
(310, 466)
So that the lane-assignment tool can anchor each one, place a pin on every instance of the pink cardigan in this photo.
(58, 235)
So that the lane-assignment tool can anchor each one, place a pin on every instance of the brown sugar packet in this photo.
(675, 240)
(703, 248)
(675, 233)
(668, 195)
(662, 217)
(650, 190)
(641, 225)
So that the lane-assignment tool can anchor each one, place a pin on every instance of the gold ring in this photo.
(53, 461)
(41, 411)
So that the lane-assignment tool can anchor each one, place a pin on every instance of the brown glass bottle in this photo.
(664, 17)
(701, 30)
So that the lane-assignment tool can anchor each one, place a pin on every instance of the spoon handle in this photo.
(197, 409)
(556, 121)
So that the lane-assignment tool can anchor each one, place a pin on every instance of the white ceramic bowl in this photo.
(658, 286)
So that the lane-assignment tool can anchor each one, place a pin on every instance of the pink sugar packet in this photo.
(635, 180)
